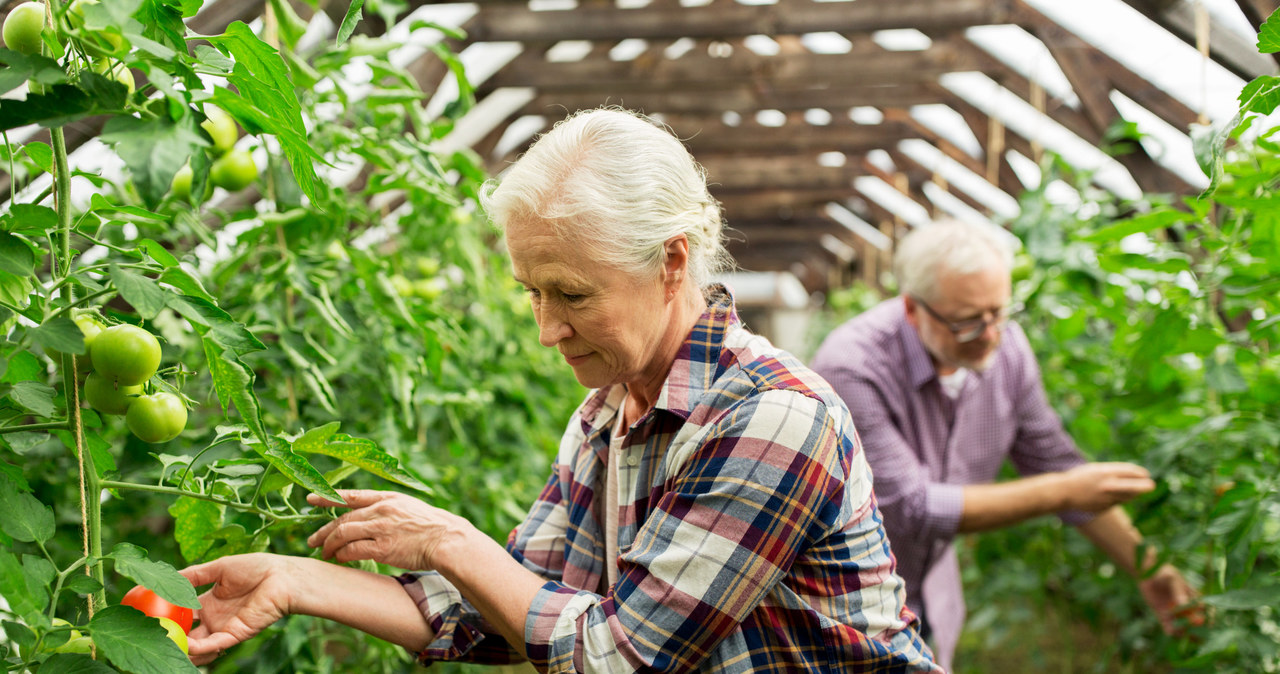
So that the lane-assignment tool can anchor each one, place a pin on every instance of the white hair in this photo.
(618, 184)
(948, 247)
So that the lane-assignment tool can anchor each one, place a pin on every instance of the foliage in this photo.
(344, 321)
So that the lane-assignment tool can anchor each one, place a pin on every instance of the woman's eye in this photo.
(533, 292)
(573, 299)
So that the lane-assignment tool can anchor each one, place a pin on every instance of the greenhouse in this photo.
(640, 335)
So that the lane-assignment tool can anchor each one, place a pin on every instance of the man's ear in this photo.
(675, 264)
(909, 305)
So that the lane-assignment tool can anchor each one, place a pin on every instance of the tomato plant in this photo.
(108, 395)
(273, 317)
(221, 129)
(234, 171)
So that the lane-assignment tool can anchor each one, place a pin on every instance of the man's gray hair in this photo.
(618, 184)
(948, 247)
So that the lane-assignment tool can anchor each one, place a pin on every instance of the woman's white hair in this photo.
(618, 184)
(948, 247)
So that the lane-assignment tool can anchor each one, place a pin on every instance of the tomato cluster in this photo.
(124, 358)
(232, 169)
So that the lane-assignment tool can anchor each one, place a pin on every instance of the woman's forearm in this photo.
(370, 602)
(495, 583)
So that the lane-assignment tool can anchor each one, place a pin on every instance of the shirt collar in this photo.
(695, 368)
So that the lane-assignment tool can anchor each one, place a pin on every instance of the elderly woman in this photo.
(710, 507)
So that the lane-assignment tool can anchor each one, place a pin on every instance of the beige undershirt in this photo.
(611, 501)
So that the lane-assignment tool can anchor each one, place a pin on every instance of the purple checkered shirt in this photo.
(748, 536)
(923, 446)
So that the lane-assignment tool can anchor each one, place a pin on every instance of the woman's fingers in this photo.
(355, 498)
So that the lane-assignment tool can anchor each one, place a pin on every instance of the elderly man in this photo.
(943, 388)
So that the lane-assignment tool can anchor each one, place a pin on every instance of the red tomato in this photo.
(155, 606)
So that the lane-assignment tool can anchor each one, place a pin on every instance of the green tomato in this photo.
(80, 644)
(107, 397)
(22, 28)
(125, 354)
(176, 635)
(159, 417)
(120, 73)
(234, 171)
(91, 40)
(181, 186)
(221, 128)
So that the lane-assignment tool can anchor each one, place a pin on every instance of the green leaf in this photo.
(25, 518)
(59, 334)
(159, 577)
(22, 367)
(216, 325)
(262, 79)
(1269, 34)
(153, 149)
(27, 598)
(1140, 224)
(281, 456)
(16, 255)
(99, 449)
(1262, 95)
(349, 21)
(40, 154)
(193, 522)
(139, 291)
(187, 284)
(233, 381)
(358, 452)
(34, 396)
(137, 643)
(30, 219)
(82, 584)
(23, 67)
(1245, 599)
(157, 252)
(60, 105)
(73, 663)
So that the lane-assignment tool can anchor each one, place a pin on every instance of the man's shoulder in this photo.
(870, 339)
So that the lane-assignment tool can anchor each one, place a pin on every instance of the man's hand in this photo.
(387, 527)
(1094, 487)
(1170, 597)
(249, 593)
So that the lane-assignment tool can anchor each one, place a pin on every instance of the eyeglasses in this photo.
(968, 330)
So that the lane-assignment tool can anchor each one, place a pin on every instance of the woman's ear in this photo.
(675, 265)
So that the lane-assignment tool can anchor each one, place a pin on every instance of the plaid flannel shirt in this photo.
(748, 535)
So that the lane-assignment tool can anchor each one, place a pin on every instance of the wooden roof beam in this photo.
(1228, 49)
(728, 20)
(743, 99)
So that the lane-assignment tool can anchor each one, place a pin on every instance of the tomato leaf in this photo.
(25, 517)
(153, 149)
(349, 21)
(216, 325)
(80, 583)
(136, 643)
(26, 598)
(268, 102)
(182, 280)
(1140, 224)
(16, 255)
(157, 252)
(35, 397)
(233, 381)
(73, 663)
(159, 577)
(139, 291)
(1245, 599)
(29, 219)
(24, 67)
(194, 520)
(281, 456)
(60, 334)
(1269, 34)
(1262, 95)
(358, 452)
(22, 367)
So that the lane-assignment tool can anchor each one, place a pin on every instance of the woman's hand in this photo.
(387, 527)
(249, 593)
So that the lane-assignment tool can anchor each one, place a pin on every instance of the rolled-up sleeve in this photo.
(763, 484)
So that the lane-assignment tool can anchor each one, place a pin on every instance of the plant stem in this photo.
(174, 491)
(90, 490)
(49, 426)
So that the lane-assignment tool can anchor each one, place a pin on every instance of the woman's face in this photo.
(609, 325)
